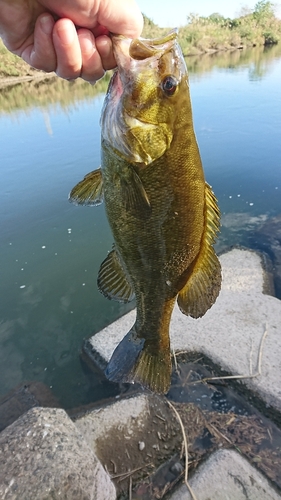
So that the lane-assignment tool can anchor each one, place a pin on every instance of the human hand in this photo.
(69, 37)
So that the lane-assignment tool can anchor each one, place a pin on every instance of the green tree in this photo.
(264, 16)
(217, 18)
(264, 12)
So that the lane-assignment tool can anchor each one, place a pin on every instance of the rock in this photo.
(267, 237)
(22, 398)
(227, 475)
(134, 434)
(230, 333)
(43, 456)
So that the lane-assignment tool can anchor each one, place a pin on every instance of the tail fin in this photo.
(135, 361)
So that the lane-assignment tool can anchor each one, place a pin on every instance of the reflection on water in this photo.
(51, 250)
(259, 61)
(56, 91)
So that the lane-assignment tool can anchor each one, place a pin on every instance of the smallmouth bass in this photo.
(163, 215)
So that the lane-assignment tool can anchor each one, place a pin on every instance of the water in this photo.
(51, 251)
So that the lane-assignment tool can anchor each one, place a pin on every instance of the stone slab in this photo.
(226, 475)
(44, 457)
(22, 398)
(97, 425)
(230, 332)
(134, 434)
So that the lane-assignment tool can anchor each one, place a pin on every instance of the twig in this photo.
(126, 475)
(175, 361)
(270, 435)
(251, 360)
(178, 353)
(261, 348)
(130, 488)
(186, 451)
(216, 431)
(114, 466)
(160, 418)
(231, 420)
(228, 377)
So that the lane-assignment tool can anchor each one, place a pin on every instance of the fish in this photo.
(163, 215)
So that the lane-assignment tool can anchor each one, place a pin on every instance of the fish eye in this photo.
(169, 85)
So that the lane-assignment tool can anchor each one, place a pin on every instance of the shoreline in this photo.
(34, 74)
(9, 81)
(134, 442)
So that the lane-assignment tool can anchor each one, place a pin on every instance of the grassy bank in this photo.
(256, 27)
(12, 65)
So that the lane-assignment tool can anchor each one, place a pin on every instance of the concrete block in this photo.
(226, 475)
(230, 331)
(43, 456)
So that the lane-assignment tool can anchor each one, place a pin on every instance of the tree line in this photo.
(253, 27)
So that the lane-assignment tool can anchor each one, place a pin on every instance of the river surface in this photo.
(50, 250)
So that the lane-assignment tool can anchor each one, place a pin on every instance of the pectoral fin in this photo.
(134, 195)
(204, 282)
(89, 191)
(113, 282)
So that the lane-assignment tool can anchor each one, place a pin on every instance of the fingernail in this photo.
(47, 24)
(66, 34)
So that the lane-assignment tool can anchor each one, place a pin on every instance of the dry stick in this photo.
(214, 428)
(114, 466)
(207, 379)
(126, 475)
(186, 451)
(261, 348)
(251, 358)
(216, 431)
(130, 487)
(175, 360)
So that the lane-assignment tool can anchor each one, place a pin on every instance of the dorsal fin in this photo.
(113, 282)
(204, 282)
(89, 191)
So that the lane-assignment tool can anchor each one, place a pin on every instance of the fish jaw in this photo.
(137, 118)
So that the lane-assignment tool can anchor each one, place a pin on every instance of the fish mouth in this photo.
(127, 51)
(129, 54)
(141, 48)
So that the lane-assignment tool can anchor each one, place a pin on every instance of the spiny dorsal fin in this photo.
(113, 282)
(134, 195)
(204, 284)
(89, 191)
